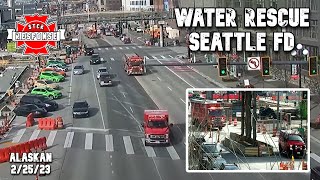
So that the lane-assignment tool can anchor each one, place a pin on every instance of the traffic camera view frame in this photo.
(275, 136)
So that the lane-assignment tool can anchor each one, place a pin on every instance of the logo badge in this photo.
(36, 35)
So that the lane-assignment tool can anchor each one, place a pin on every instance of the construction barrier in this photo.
(281, 166)
(30, 120)
(26, 147)
(59, 122)
(235, 122)
(47, 124)
(304, 166)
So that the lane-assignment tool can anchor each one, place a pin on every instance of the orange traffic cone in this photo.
(37, 177)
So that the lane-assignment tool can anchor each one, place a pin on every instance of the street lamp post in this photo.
(295, 53)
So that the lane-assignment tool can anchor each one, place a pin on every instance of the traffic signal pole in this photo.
(228, 63)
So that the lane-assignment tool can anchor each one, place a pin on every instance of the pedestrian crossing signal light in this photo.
(265, 63)
(304, 95)
(222, 65)
(313, 66)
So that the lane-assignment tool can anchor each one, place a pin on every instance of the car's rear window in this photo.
(78, 67)
(79, 104)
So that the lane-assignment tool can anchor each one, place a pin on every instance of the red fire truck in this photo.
(134, 64)
(156, 127)
(207, 113)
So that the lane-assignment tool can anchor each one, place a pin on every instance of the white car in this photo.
(57, 66)
(139, 30)
(101, 70)
(108, 33)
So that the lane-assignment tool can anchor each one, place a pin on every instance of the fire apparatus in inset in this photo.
(134, 64)
(208, 113)
(156, 127)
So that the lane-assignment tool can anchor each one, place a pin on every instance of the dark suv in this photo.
(40, 101)
(291, 143)
(88, 51)
(95, 59)
(80, 109)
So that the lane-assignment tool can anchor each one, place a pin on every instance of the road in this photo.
(109, 144)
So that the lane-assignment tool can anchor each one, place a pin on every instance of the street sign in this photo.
(254, 63)
(161, 22)
(294, 69)
(11, 46)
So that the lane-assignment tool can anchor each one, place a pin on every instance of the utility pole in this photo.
(243, 96)
(248, 114)
(255, 117)
(278, 109)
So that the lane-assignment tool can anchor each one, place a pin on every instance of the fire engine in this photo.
(156, 127)
(207, 113)
(134, 64)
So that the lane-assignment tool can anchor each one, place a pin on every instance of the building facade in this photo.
(106, 5)
(138, 5)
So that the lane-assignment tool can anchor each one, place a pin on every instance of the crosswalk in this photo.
(122, 48)
(127, 145)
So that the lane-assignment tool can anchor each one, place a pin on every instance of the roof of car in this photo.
(103, 68)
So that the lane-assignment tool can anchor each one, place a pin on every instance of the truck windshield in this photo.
(216, 112)
(137, 63)
(295, 138)
(157, 124)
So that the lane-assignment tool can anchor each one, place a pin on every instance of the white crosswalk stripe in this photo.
(19, 135)
(34, 135)
(51, 137)
(69, 139)
(106, 48)
(109, 143)
(170, 56)
(128, 145)
(120, 48)
(140, 47)
(147, 57)
(154, 57)
(127, 48)
(88, 142)
(114, 48)
(99, 49)
(112, 59)
(163, 57)
(149, 150)
(133, 47)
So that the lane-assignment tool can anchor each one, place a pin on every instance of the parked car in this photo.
(291, 143)
(25, 110)
(88, 51)
(108, 33)
(78, 70)
(105, 79)
(217, 163)
(80, 109)
(56, 62)
(95, 59)
(127, 40)
(40, 101)
(59, 71)
(58, 66)
(229, 167)
(139, 30)
(50, 75)
(48, 92)
(101, 70)
(46, 83)
(210, 151)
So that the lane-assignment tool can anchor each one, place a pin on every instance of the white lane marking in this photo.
(315, 139)
(109, 143)
(173, 153)
(154, 57)
(99, 49)
(140, 47)
(106, 48)
(174, 72)
(68, 141)
(133, 47)
(169, 88)
(124, 107)
(19, 135)
(128, 145)
(127, 47)
(159, 78)
(114, 48)
(120, 47)
(51, 137)
(170, 56)
(110, 67)
(149, 150)
(88, 141)
(95, 86)
(315, 157)
(147, 57)
(34, 135)
(182, 100)
(131, 109)
(163, 57)
(70, 86)
(124, 95)
(112, 59)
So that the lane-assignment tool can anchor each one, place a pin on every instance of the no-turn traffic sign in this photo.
(254, 63)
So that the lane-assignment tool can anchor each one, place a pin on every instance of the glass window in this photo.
(313, 5)
(314, 32)
(295, 138)
(260, 3)
(273, 3)
(237, 3)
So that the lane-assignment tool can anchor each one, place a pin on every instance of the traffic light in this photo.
(265, 62)
(222, 65)
(313, 66)
(304, 95)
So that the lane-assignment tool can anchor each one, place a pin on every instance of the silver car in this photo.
(101, 70)
(78, 70)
